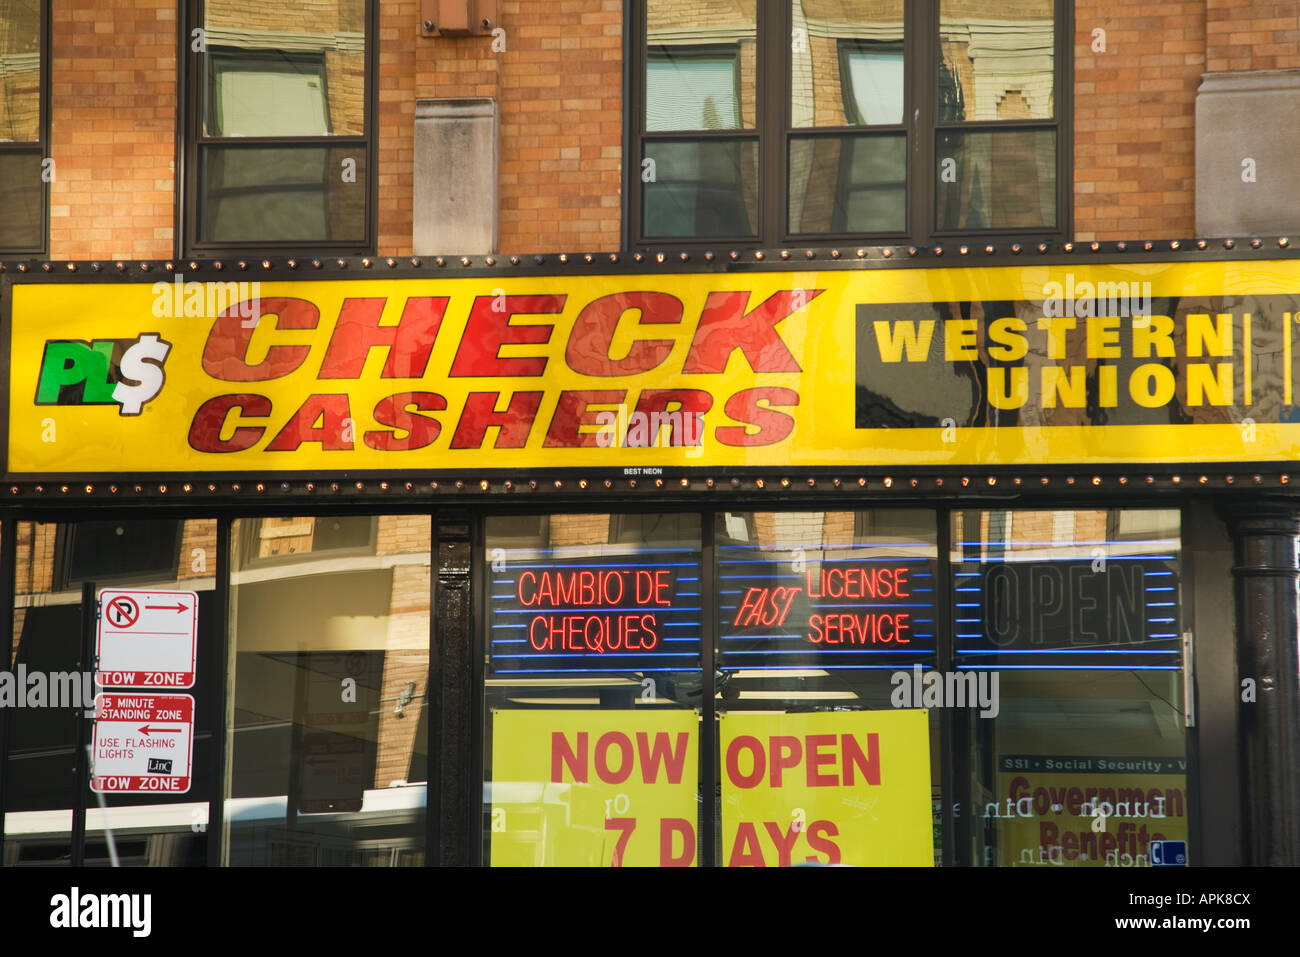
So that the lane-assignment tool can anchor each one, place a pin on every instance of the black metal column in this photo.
(458, 803)
(1266, 537)
(86, 662)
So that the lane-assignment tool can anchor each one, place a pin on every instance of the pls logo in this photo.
(128, 372)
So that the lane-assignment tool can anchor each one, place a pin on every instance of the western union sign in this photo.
(1034, 364)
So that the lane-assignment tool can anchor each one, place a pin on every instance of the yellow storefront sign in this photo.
(1104, 363)
(834, 788)
(594, 788)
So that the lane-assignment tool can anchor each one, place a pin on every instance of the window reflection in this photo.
(847, 70)
(996, 60)
(268, 72)
(1078, 612)
(701, 188)
(996, 179)
(817, 612)
(846, 63)
(328, 743)
(51, 563)
(273, 73)
(593, 631)
(700, 60)
(22, 191)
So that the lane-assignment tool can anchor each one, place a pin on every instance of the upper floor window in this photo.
(824, 120)
(25, 172)
(280, 149)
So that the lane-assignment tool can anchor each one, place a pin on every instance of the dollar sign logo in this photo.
(142, 373)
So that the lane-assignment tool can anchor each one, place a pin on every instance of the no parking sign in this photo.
(146, 639)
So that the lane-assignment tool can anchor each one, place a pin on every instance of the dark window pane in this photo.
(20, 71)
(99, 551)
(701, 188)
(272, 73)
(700, 64)
(282, 194)
(996, 180)
(846, 61)
(22, 201)
(848, 184)
(995, 62)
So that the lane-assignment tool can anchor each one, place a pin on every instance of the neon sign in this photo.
(847, 606)
(599, 614)
(1060, 612)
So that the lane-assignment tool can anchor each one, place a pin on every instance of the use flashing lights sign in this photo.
(144, 743)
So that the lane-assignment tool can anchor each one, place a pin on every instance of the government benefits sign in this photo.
(1139, 363)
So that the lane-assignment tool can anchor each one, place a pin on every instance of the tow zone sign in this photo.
(146, 639)
(143, 743)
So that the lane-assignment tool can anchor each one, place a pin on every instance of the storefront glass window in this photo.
(593, 690)
(817, 614)
(328, 725)
(40, 784)
(1079, 614)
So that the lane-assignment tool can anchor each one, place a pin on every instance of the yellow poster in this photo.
(594, 788)
(634, 374)
(1087, 811)
(834, 788)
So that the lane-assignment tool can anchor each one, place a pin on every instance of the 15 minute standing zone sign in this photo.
(144, 741)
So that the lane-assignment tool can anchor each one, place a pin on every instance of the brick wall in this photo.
(558, 83)
(1247, 35)
(1135, 144)
(113, 114)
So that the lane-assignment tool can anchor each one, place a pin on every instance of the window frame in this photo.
(194, 85)
(66, 576)
(250, 540)
(41, 146)
(921, 126)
